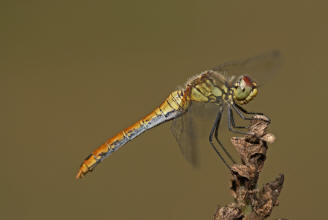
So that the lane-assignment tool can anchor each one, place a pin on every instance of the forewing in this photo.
(260, 68)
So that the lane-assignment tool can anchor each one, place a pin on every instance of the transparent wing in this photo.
(192, 128)
(184, 133)
(260, 68)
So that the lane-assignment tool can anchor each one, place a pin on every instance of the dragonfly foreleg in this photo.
(215, 125)
(231, 122)
(240, 109)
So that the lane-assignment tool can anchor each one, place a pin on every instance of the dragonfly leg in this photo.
(247, 112)
(216, 123)
(219, 142)
(231, 123)
(240, 109)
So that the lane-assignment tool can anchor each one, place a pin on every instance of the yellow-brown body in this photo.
(208, 87)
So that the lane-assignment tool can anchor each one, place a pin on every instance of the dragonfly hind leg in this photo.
(214, 132)
(216, 135)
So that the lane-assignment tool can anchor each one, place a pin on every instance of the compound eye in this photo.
(242, 90)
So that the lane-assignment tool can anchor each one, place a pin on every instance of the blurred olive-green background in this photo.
(74, 73)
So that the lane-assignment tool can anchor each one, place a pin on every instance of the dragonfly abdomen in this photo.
(175, 105)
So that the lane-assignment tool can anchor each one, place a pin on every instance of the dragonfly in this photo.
(227, 87)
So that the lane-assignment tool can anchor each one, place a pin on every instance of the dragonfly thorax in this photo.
(244, 90)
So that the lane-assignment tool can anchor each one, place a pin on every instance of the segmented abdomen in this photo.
(176, 104)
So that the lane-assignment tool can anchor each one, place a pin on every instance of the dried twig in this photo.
(251, 203)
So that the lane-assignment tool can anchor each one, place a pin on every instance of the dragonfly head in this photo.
(244, 90)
